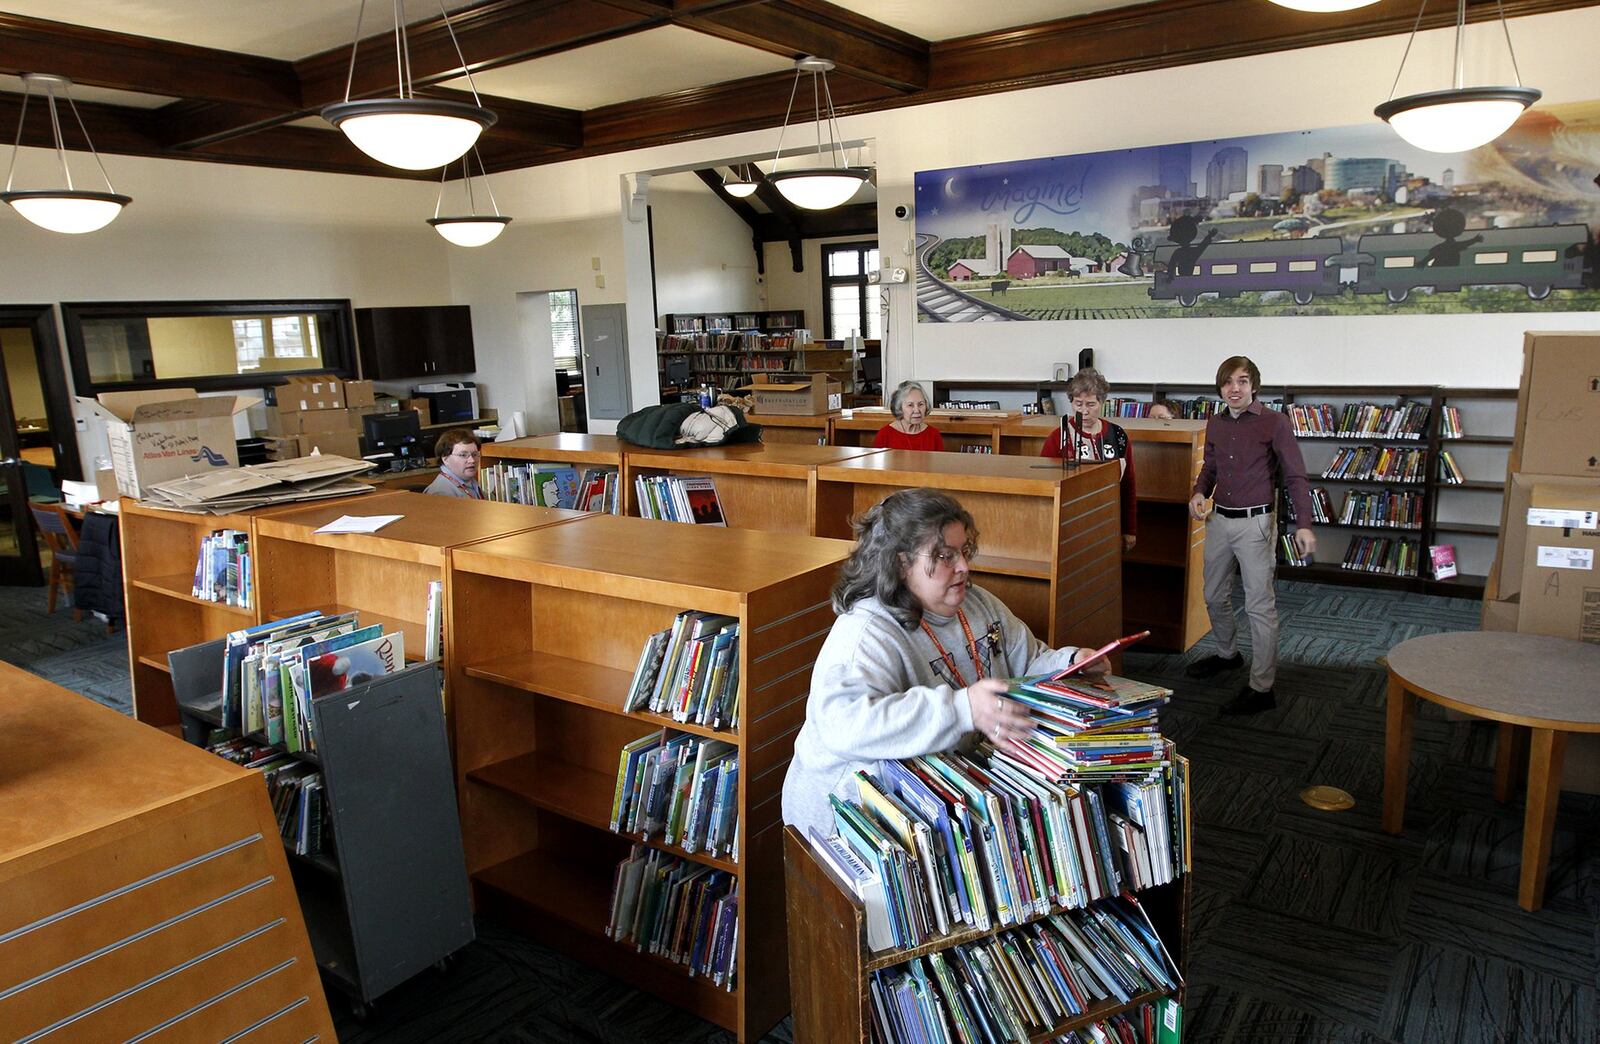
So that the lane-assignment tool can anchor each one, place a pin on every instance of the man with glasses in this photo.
(459, 454)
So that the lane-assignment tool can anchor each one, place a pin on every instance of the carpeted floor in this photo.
(1306, 926)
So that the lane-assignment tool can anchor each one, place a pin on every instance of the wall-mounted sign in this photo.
(1345, 221)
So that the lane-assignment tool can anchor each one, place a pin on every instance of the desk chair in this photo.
(56, 531)
(41, 488)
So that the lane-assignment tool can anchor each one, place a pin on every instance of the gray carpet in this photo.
(1306, 926)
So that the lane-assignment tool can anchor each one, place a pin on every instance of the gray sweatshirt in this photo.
(880, 691)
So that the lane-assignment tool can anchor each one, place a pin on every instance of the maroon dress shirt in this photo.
(1247, 455)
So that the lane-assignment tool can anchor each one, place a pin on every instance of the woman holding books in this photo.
(917, 659)
(1085, 435)
(908, 430)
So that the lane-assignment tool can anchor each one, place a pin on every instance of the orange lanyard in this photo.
(950, 661)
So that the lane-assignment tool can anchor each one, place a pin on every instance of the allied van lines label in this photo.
(1566, 557)
(1563, 518)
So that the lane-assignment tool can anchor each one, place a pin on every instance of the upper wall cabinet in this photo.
(404, 343)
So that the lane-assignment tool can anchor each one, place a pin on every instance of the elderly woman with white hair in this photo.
(909, 430)
(917, 659)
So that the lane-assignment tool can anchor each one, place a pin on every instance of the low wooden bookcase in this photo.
(548, 628)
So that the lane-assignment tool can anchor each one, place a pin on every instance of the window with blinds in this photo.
(564, 329)
(849, 302)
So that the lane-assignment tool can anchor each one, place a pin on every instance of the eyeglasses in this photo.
(947, 555)
(469, 455)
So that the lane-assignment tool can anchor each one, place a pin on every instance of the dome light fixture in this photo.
(71, 210)
(405, 131)
(1324, 6)
(741, 184)
(474, 229)
(821, 187)
(1457, 118)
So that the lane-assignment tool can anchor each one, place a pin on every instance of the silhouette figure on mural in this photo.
(1590, 252)
(1182, 232)
(1448, 224)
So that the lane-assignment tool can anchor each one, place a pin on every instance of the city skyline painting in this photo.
(1339, 221)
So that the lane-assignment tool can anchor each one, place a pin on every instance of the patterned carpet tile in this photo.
(1447, 993)
(1362, 887)
(1218, 1015)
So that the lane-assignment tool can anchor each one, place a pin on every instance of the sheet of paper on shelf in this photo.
(359, 523)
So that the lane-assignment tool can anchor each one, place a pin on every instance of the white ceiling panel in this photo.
(947, 19)
(637, 66)
(91, 94)
(286, 29)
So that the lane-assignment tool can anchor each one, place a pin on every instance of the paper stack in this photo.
(261, 485)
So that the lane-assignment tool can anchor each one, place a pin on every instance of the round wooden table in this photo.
(1534, 686)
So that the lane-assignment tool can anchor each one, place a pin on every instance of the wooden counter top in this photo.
(562, 446)
(979, 472)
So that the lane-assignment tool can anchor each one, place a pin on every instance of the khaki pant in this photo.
(1246, 544)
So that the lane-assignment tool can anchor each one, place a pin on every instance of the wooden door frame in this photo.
(41, 322)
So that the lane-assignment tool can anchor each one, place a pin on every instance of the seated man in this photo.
(459, 453)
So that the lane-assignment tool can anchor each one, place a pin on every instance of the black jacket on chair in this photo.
(97, 574)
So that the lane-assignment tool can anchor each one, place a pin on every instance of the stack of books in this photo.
(294, 787)
(977, 447)
(1018, 984)
(551, 485)
(1378, 464)
(1383, 555)
(1449, 471)
(1386, 508)
(681, 789)
(690, 671)
(672, 498)
(1359, 420)
(1289, 554)
(222, 573)
(271, 672)
(683, 911)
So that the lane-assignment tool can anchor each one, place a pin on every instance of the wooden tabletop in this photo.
(786, 459)
(873, 421)
(69, 766)
(981, 472)
(561, 446)
(1139, 429)
(1523, 679)
(791, 420)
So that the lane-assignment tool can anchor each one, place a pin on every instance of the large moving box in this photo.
(307, 393)
(820, 394)
(1560, 579)
(167, 434)
(1558, 405)
(1514, 527)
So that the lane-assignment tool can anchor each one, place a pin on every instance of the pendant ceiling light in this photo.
(474, 229)
(406, 131)
(741, 184)
(70, 210)
(1458, 118)
(1324, 6)
(821, 187)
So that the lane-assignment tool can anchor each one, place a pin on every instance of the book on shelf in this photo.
(1450, 426)
(690, 671)
(433, 622)
(1359, 420)
(680, 789)
(1398, 509)
(1449, 471)
(294, 789)
(1023, 982)
(1442, 561)
(676, 498)
(222, 571)
(1384, 556)
(678, 909)
(1377, 464)
(1289, 554)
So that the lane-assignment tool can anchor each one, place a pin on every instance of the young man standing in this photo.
(1248, 450)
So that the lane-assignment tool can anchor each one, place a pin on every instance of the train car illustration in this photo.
(1539, 258)
(1296, 266)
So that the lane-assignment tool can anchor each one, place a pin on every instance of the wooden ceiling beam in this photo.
(300, 148)
(192, 124)
(491, 34)
(97, 58)
(857, 45)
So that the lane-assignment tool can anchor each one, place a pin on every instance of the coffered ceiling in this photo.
(241, 81)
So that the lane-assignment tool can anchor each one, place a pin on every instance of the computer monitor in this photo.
(677, 372)
(872, 369)
(398, 433)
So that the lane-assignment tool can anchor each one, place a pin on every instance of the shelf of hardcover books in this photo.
(623, 717)
(1012, 893)
(565, 470)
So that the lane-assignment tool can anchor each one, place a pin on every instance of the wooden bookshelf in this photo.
(159, 551)
(761, 486)
(561, 448)
(382, 575)
(115, 842)
(549, 624)
(1163, 586)
(832, 998)
(810, 429)
(860, 428)
(1050, 543)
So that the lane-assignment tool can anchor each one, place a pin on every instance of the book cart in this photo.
(769, 486)
(548, 627)
(833, 966)
(391, 899)
(115, 845)
(1050, 543)
(1163, 586)
(159, 550)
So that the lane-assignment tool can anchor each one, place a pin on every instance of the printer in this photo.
(450, 401)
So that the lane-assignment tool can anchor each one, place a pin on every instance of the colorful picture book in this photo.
(222, 572)
(679, 789)
(680, 910)
(1442, 561)
(674, 498)
(551, 485)
(294, 787)
(690, 671)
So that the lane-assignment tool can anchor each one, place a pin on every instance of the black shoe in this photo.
(1250, 701)
(1213, 665)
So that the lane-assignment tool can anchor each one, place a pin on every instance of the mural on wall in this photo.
(1346, 221)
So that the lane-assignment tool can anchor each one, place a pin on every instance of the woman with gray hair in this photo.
(908, 430)
(917, 659)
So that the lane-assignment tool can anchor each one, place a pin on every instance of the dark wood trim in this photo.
(828, 282)
(857, 45)
(338, 345)
(41, 321)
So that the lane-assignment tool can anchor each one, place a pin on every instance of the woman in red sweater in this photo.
(908, 430)
(1087, 436)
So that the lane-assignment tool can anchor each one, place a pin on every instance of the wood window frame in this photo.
(830, 281)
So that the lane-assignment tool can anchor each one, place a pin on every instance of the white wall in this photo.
(787, 288)
(704, 258)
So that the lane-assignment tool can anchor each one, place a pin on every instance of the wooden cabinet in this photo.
(403, 343)
(142, 885)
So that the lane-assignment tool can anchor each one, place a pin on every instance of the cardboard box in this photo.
(285, 447)
(423, 408)
(280, 423)
(167, 434)
(1560, 573)
(359, 393)
(1507, 577)
(345, 443)
(307, 393)
(821, 394)
(1558, 405)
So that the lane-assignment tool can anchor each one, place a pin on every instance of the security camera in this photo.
(902, 211)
